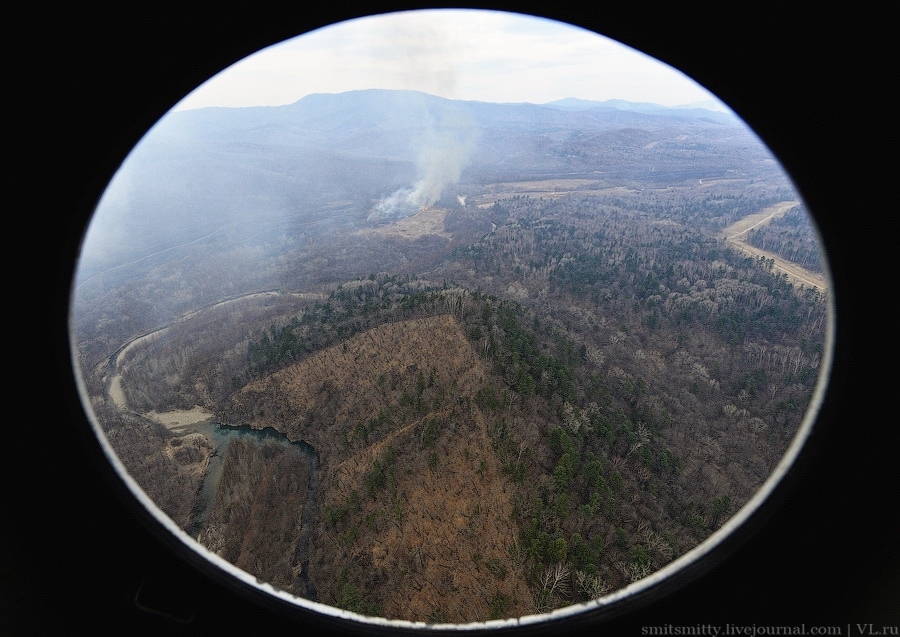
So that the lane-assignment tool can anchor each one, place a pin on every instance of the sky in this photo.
(458, 54)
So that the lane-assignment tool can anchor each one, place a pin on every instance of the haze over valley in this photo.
(450, 361)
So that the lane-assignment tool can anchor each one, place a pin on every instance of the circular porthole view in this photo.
(451, 320)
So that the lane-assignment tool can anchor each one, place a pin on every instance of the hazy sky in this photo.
(458, 54)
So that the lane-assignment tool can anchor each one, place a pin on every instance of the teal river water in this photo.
(221, 436)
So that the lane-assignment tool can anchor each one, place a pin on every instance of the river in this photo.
(199, 420)
(221, 436)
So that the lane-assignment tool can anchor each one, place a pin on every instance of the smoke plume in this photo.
(445, 150)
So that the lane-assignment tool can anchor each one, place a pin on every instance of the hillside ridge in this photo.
(440, 520)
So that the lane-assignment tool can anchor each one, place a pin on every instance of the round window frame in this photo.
(777, 496)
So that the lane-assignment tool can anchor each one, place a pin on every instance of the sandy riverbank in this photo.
(180, 418)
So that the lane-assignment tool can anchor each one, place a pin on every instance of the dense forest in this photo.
(792, 237)
(553, 380)
(633, 380)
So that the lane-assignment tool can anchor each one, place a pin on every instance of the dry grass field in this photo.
(428, 221)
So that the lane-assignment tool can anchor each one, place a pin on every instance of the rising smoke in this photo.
(445, 149)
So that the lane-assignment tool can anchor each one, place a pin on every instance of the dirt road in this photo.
(797, 274)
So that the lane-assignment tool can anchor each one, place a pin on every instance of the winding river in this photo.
(199, 420)
(220, 436)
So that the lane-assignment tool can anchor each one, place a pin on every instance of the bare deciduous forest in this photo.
(550, 394)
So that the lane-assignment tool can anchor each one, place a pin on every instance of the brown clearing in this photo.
(428, 221)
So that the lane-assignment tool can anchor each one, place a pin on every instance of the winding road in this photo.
(733, 234)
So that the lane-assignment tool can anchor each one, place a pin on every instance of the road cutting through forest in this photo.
(798, 275)
(733, 234)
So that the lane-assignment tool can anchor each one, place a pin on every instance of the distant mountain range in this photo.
(575, 104)
(199, 170)
(339, 119)
(402, 132)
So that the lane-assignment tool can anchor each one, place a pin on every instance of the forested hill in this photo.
(638, 382)
(205, 171)
(537, 386)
